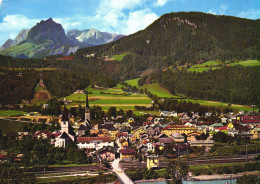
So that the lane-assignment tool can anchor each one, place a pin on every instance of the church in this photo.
(67, 133)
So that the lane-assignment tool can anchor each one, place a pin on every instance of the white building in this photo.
(94, 142)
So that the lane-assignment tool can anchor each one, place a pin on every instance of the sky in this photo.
(114, 16)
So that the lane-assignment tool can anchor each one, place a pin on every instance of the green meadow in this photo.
(119, 57)
(213, 65)
(110, 97)
(5, 113)
(133, 82)
(156, 89)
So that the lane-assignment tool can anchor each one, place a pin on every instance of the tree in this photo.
(246, 179)
(177, 171)
(13, 174)
(112, 112)
(80, 156)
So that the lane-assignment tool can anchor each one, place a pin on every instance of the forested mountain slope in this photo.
(187, 37)
(238, 84)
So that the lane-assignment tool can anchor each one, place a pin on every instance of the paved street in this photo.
(120, 173)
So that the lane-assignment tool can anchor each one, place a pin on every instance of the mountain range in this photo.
(48, 38)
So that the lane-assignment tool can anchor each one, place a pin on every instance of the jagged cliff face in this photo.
(45, 38)
(92, 36)
(19, 38)
(48, 30)
(48, 38)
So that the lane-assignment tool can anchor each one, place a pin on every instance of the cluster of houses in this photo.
(127, 140)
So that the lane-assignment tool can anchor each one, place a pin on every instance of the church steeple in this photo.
(65, 120)
(87, 111)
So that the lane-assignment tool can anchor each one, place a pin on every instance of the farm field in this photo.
(111, 97)
(5, 113)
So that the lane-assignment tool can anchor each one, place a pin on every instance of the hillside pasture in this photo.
(249, 63)
(205, 66)
(109, 97)
(6, 113)
(133, 82)
(213, 65)
(119, 57)
(158, 90)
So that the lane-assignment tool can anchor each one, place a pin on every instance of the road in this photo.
(120, 173)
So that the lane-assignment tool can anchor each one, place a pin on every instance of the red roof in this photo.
(127, 151)
(223, 128)
(250, 118)
(145, 142)
(123, 134)
(91, 139)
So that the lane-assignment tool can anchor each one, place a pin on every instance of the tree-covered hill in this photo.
(238, 84)
(188, 37)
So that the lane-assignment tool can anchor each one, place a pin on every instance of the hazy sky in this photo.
(121, 16)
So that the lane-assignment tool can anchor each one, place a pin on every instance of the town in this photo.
(119, 143)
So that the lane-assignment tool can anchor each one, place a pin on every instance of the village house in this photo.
(138, 131)
(112, 132)
(169, 130)
(122, 143)
(178, 138)
(127, 154)
(168, 114)
(255, 132)
(94, 143)
(253, 120)
(152, 161)
(42, 134)
(201, 143)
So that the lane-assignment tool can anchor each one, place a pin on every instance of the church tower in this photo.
(65, 121)
(87, 111)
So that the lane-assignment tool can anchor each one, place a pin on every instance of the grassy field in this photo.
(204, 66)
(133, 82)
(249, 63)
(119, 57)
(156, 89)
(5, 113)
(111, 97)
(215, 65)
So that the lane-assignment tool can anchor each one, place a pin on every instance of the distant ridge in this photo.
(48, 38)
